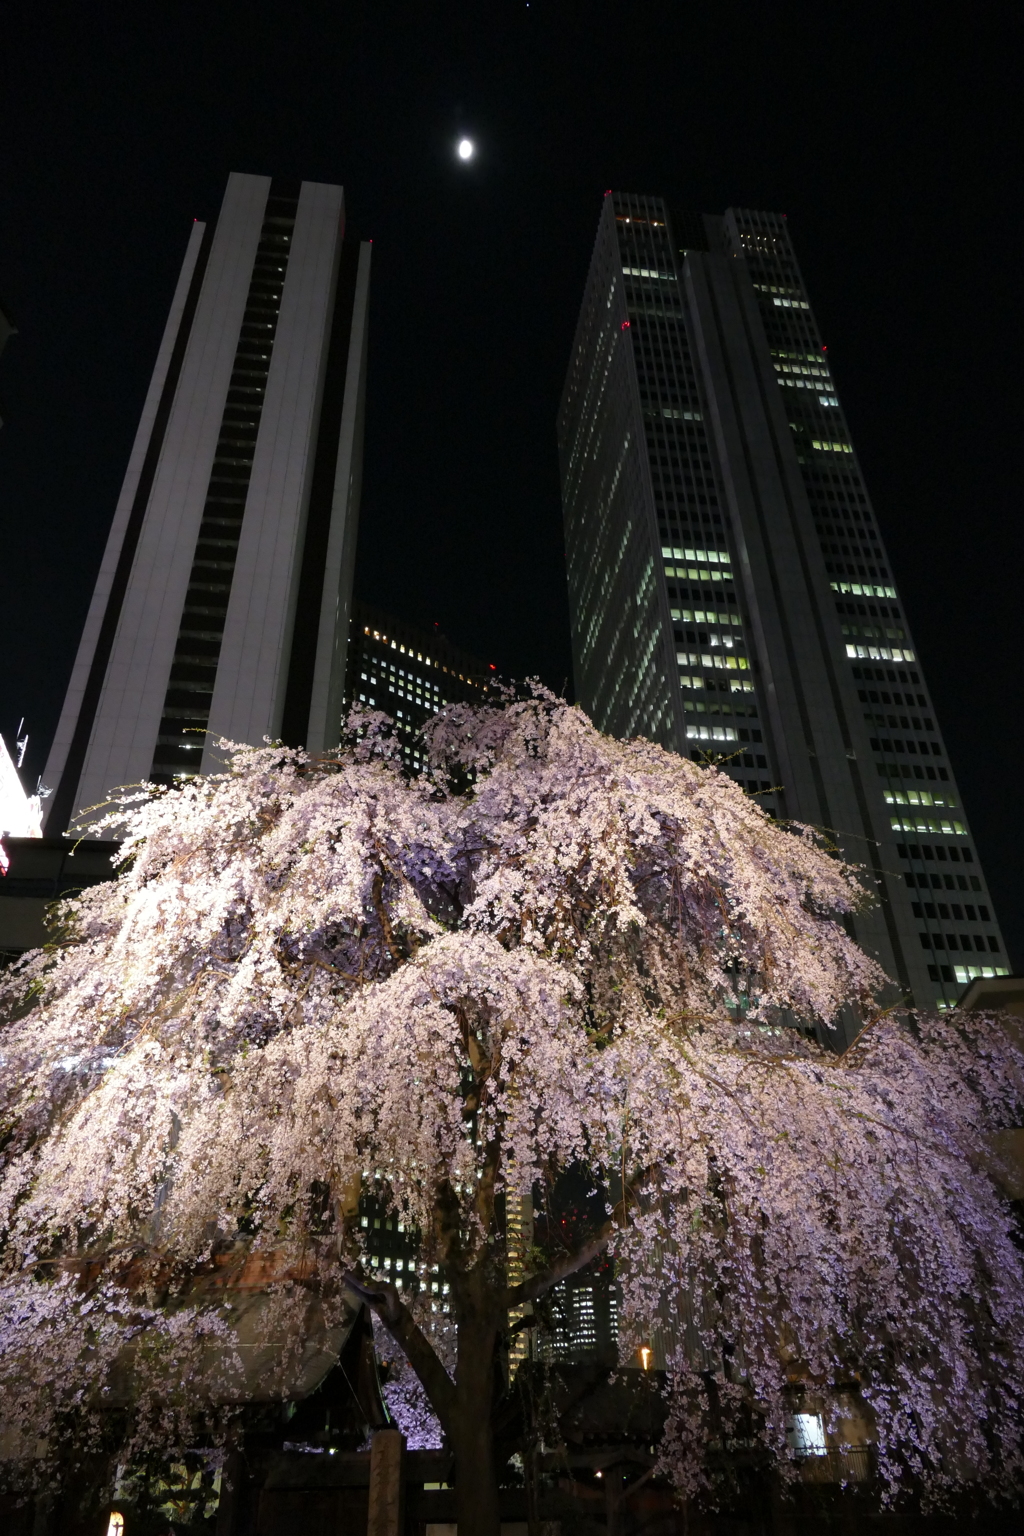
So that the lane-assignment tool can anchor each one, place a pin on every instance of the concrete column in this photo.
(387, 1468)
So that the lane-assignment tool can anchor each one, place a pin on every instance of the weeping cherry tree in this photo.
(315, 981)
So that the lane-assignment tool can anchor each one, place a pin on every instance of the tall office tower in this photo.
(410, 674)
(729, 589)
(222, 604)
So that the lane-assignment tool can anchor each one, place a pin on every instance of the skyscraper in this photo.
(222, 603)
(410, 674)
(729, 589)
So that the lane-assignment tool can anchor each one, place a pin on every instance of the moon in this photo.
(466, 149)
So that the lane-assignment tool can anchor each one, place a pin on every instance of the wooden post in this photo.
(231, 1508)
(387, 1483)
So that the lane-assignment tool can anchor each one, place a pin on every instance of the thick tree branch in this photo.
(377, 893)
(537, 1285)
(385, 1301)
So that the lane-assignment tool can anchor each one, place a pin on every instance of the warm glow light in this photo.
(465, 149)
(115, 1525)
(645, 1357)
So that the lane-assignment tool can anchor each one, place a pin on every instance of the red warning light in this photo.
(624, 326)
(609, 192)
(824, 349)
(492, 666)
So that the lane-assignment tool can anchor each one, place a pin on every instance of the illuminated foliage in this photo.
(555, 952)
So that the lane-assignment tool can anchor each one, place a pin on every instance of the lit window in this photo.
(971, 972)
(861, 589)
(666, 277)
(710, 733)
(914, 797)
(115, 1525)
(807, 1434)
(704, 616)
(878, 653)
(706, 556)
(908, 823)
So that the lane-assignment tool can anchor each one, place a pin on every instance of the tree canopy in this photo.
(315, 980)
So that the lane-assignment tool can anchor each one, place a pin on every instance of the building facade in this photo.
(730, 593)
(222, 603)
(410, 674)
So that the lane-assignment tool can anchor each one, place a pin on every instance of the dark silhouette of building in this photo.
(730, 592)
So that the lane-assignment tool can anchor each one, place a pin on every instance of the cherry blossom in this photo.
(319, 982)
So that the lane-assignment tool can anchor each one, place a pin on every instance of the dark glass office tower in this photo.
(730, 592)
(222, 604)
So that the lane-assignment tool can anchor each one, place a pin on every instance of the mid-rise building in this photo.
(730, 593)
(222, 604)
(410, 674)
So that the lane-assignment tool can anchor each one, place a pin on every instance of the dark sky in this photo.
(890, 135)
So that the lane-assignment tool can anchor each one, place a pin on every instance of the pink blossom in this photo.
(313, 979)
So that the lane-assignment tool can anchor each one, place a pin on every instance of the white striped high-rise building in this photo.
(222, 604)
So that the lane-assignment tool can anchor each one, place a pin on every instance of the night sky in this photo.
(890, 135)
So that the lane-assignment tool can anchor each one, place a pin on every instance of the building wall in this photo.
(334, 611)
(702, 439)
(131, 707)
(190, 633)
(74, 729)
(252, 674)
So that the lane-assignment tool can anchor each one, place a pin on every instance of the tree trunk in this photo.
(465, 1407)
(472, 1429)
